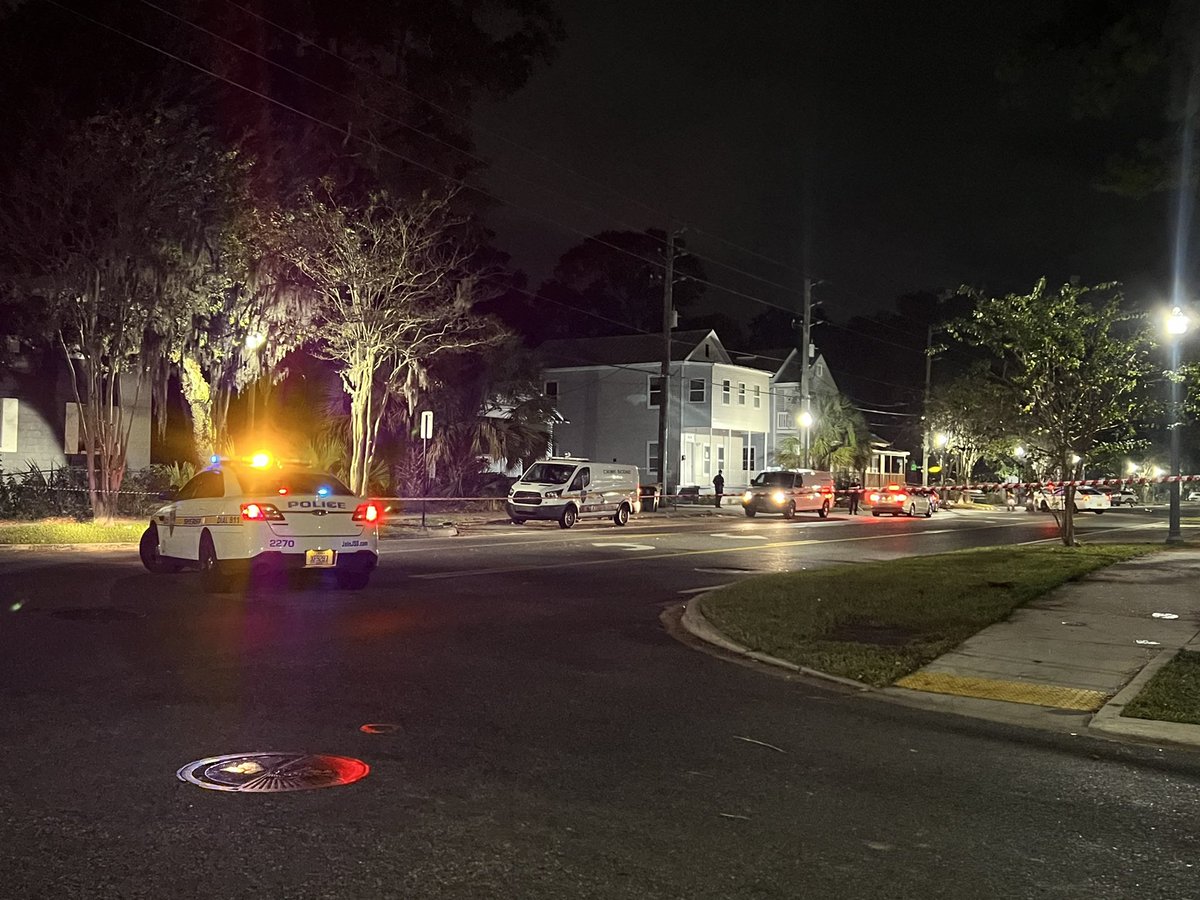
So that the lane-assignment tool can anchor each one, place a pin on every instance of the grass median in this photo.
(878, 621)
(1173, 694)
(69, 532)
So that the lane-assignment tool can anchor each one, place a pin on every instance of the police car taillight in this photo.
(261, 512)
(366, 512)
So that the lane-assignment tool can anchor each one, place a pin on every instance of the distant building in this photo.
(39, 418)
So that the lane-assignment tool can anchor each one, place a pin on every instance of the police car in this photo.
(236, 515)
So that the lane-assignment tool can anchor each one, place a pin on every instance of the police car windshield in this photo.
(548, 473)
(772, 479)
(321, 484)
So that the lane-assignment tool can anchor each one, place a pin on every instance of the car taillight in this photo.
(261, 512)
(366, 512)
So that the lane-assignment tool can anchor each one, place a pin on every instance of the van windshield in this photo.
(548, 473)
(772, 479)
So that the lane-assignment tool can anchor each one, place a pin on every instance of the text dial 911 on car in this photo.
(898, 499)
(236, 516)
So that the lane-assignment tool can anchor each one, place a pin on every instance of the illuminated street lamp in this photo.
(806, 419)
(254, 340)
(1177, 326)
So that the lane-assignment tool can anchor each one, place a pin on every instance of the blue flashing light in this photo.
(214, 459)
(322, 491)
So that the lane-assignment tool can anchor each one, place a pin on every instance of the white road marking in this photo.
(701, 590)
(619, 545)
(739, 537)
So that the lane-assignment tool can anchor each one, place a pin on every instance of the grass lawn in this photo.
(65, 531)
(878, 621)
(1173, 694)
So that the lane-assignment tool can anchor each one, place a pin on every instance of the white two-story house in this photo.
(607, 391)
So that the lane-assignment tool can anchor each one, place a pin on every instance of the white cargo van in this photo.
(564, 490)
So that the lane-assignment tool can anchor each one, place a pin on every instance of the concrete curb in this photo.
(699, 627)
(115, 545)
(1108, 718)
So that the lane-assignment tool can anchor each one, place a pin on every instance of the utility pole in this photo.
(925, 409)
(664, 396)
(805, 387)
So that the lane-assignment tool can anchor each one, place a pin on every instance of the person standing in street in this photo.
(719, 486)
(852, 493)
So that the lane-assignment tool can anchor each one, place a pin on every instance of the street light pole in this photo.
(1177, 324)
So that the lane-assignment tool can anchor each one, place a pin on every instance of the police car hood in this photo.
(314, 516)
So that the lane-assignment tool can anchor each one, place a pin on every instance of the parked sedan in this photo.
(898, 499)
(1123, 497)
(1087, 499)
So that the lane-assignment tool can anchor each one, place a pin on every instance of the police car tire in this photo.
(353, 581)
(823, 512)
(751, 512)
(148, 551)
(621, 516)
(212, 579)
(568, 517)
(789, 511)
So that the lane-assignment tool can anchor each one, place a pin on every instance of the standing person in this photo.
(719, 486)
(852, 497)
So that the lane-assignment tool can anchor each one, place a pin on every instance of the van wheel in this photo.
(212, 579)
(824, 513)
(790, 511)
(568, 517)
(750, 511)
(621, 517)
(517, 521)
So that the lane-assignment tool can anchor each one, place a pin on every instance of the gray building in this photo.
(39, 419)
(607, 393)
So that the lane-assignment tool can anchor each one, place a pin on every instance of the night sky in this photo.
(882, 126)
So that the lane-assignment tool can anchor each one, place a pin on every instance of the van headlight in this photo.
(779, 496)
(552, 494)
(748, 495)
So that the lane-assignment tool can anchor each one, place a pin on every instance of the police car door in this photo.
(196, 512)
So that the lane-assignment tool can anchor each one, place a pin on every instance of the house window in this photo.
(8, 425)
(652, 457)
(741, 393)
(707, 459)
(654, 391)
(783, 421)
(820, 369)
(721, 458)
(757, 396)
(706, 354)
(696, 390)
(725, 386)
(748, 459)
(551, 390)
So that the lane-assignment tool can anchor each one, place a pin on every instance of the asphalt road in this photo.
(552, 740)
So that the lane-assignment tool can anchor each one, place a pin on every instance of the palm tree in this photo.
(840, 438)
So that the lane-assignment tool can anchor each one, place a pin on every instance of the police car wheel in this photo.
(353, 581)
(621, 516)
(824, 512)
(212, 579)
(751, 512)
(567, 519)
(790, 511)
(148, 551)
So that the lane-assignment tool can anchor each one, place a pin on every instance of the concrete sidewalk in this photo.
(1078, 647)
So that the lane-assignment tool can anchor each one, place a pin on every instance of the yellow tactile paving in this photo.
(1011, 691)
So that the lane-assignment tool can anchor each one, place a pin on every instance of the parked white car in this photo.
(235, 515)
(1087, 499)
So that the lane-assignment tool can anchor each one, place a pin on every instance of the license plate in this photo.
(319, 559)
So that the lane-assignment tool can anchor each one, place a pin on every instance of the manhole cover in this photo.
(726, 570)
(869, 633)
(271, 773)
(95, 614)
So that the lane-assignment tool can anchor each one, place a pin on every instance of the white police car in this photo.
(235, 516)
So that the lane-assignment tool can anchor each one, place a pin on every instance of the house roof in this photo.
(626, 349)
